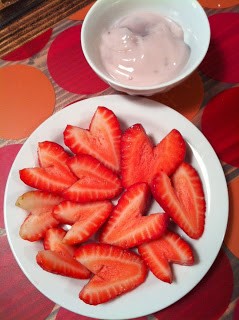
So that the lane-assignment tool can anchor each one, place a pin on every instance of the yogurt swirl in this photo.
(144, 49)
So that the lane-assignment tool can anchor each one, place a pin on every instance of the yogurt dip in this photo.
(144, 49)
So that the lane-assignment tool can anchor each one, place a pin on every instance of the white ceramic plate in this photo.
(153, 295)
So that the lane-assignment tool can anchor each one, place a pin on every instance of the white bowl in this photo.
(187, 13)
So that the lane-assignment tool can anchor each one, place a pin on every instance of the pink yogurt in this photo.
(144, 49)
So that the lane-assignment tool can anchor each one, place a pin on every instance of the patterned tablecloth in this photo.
(50, 72)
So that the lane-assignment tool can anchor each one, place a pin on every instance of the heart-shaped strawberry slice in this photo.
(158, 254)
(96, 182)
(64, 265)
(53, 240)
(47, 179)
(52, 154)
(141, 160)
(182, 197)
(116, 270)
(127, 227)
(102, 140)
(86, 218)
(53, 175)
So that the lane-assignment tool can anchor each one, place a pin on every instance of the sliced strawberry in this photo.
(159, 253)
(96, 182)
(35, 226)
(140, 160)
(189, 190)
(126, 226)
(38, 201)
(116, 270)
(60, 264)
(52, 154)
(53, 240)
(46, 179)
(184, 200)
(68, 212)
(169, 153)
(136, 156)
(101, 141)
(87, 219)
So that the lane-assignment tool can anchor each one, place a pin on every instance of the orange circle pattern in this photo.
(80, 14)
(218, 4)
(27, 99)
(186, 98)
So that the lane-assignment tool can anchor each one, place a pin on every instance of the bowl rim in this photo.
(109, 79)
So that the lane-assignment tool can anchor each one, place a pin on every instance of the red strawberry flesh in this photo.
(35, 226)
(189, 190)
(52, 154)
(87, 222)
(186, 206)
(38, 201)
(60, 264)
(159, 253)
(96, 182)
(127, 227)
(53, 240)
(141, 161)
(101, 141)
(68, 212)
(169, 153)
(136, 156)
(116, 270)
(46, 179)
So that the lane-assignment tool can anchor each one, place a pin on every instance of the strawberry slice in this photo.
(68, 212)
(102, 140)
(141, 161)
(38, 201)
(35, 226)
(116, 270)
(126, 226)
(46, 179)
(86, 218)
(136, 156)
(52, 154)
(96, 182)
(182, 198)
(53, 241)
(64, 265)
(169, 153)
(189, 190)
(159, 253)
